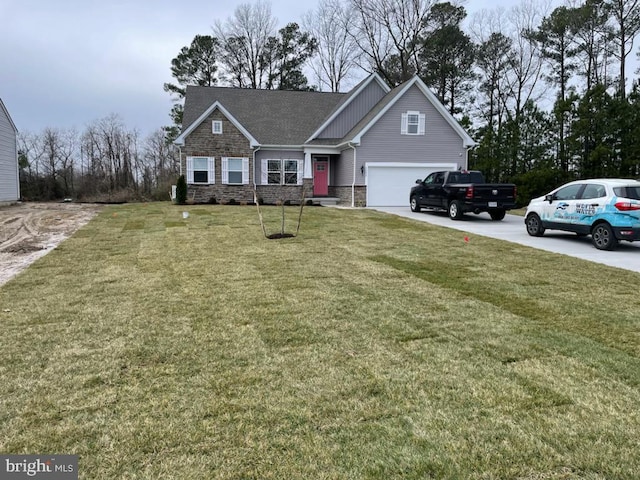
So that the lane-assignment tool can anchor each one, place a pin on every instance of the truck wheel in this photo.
(603, 237)
(415, 206)
(534, 225)
(455, 211)
(497, 215)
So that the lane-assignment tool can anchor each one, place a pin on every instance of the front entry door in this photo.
(321, 178)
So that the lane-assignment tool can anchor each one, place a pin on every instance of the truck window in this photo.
(465, 177)
(430, 178)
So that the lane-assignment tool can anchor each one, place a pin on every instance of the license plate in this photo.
(493, 204)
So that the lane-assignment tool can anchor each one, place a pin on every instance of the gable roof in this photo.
(294, 118)
(267, 117)
(356, 133)
(6, 112)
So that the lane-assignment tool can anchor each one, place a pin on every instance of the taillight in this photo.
(469, 193)
(627, 206)
(515, 192)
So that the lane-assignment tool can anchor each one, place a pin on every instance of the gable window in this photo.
(282, 172)
(235, 170)
(413, 123)
(216, 127)
(200, 170)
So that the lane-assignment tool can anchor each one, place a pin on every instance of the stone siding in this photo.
(231, 143)
(344, 194)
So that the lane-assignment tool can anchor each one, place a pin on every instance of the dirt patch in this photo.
(30, 230)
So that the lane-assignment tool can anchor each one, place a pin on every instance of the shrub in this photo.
(181, 190)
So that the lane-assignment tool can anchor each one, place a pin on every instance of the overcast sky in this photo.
(66, 63)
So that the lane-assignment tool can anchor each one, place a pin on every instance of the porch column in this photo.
(308, 172)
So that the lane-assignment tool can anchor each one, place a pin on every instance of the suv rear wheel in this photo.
(603, 238)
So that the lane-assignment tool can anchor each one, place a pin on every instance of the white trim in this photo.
(300, 172)
(215, 106)
(189, 170)
(321, 150)
(211, 170)
(467, 141)
(437, 166)
(218, 124)
(245, 170)
(225, 170)
(4, 108)
(264, 173)
(353, 95)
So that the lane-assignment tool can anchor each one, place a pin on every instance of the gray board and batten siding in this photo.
(9, 180)
(371, 94)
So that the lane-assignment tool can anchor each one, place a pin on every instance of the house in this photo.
(9, 182)
(365, 147)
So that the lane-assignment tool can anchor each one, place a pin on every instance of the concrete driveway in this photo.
(512, 229)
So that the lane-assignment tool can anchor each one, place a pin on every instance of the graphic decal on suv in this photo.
(585, 209)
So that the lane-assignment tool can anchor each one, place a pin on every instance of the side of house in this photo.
(9, 180)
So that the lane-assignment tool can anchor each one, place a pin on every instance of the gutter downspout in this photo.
(180, 157)
(255, 150)
(353, 185)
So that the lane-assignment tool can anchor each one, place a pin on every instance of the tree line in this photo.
(546, 93)
(106, 162)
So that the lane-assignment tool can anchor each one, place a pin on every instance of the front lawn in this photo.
(370, 346)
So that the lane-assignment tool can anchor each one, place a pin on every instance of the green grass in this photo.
(369, 346)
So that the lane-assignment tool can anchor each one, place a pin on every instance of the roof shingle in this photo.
(272, 117)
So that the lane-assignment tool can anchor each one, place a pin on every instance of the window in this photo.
(235, 171)
(568, 193)
(290, 172)
(200, 170)
(413, 123)
(216, 127)
(593, 191)
(282, 172)
(628, 192)
(274, 173)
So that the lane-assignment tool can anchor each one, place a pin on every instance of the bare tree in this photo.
(626, 15)
(110, 152)
(160, 166)
(388, 34)
(337, 50)
(526, 63)
(244, 37)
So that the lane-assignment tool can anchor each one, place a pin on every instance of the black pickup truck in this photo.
(461, 191)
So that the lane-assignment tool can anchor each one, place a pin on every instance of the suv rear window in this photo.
(631, 192)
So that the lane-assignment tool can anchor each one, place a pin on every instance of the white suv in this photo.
(608, 209)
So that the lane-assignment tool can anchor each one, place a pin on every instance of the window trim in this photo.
(225, 170)
(420, 126)
(211, 170)
(282, 172)
(216, 127)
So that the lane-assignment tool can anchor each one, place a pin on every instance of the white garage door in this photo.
(388, 184)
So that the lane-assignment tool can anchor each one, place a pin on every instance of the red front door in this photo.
(320, 178)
